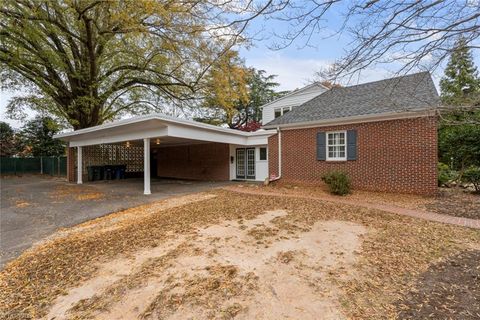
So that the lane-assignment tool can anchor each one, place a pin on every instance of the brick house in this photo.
(383, 134)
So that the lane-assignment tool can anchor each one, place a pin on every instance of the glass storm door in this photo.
(251, 163)
(241, 164)
(246, 163)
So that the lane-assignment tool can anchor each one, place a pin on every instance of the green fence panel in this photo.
(48, 165)
(63, 166)
(54, 166)
(8, 165)
(19, 165)
(29, 165)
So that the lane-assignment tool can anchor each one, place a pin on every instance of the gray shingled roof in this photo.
(407, 93)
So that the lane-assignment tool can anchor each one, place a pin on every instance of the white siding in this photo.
(293, 99)
(261, 166)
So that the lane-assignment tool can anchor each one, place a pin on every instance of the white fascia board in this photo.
(156, 116)
(161, 118)
(103, 127)
(187, 132)
(108, 138)
(258, 140)
(229, 137)
(179, 129)
(353, 120)
(294, 93)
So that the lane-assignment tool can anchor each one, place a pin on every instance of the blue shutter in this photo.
(321, 147)
(352, 145)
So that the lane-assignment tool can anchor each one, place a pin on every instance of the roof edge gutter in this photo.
(180, 122)
(354, 119)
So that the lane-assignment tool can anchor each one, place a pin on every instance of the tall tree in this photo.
(37, 134)
(261, 91)
(247, 90)
(402, 34)
(459, 146)
(459, 130)
(88, 61)
(461, 85)
(7, 140)
(226, 92)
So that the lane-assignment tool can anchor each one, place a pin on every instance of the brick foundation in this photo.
(392, 156)
(208, 161)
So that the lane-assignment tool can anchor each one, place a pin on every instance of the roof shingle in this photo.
(413, 92)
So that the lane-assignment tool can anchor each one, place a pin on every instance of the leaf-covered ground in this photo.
(394, 252)
(449, 289)
(450, 201)
(456, 202)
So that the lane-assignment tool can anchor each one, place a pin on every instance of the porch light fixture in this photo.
(127, 144)
(157, 141)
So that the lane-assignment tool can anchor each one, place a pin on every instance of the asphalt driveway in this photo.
(33, 207)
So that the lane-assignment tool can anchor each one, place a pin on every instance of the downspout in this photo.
(279, 133)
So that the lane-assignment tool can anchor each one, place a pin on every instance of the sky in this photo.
(295, 66)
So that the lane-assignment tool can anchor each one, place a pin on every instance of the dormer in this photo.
(280, 106)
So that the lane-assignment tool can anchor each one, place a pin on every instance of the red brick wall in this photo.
(208, 161)
(71, 160)
(393, 156)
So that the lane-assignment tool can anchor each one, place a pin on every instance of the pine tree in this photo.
(461, 85)
(459, 130)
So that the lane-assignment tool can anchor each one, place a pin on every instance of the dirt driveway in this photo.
(226, 255)
(33, 207)
(265, 272)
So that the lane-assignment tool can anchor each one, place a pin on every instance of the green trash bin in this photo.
(90, 171)
(98, 173)
(95, 173)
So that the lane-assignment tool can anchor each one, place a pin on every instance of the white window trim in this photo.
(326, 146)
(281, 109)
(266, 153)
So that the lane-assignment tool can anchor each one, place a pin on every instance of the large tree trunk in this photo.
(81, 119)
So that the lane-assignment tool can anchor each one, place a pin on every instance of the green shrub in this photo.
(472, 175)
(338, 182)
(445, 174)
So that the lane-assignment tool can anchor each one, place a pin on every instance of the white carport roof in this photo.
(175, 130)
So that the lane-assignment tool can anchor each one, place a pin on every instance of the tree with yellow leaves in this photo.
(227, 89)
(89, 61)
(235, 93)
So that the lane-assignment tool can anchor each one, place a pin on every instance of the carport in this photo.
(178, 148)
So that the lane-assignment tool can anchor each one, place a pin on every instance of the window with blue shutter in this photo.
(337, 145)
(352, 145)
(321, 146)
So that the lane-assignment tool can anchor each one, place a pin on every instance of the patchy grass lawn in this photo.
(229, 255)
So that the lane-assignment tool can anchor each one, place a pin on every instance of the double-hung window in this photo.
(281, 111)
(336, 145)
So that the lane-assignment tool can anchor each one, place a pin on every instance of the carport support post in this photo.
(79, 165)
(146, 166)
